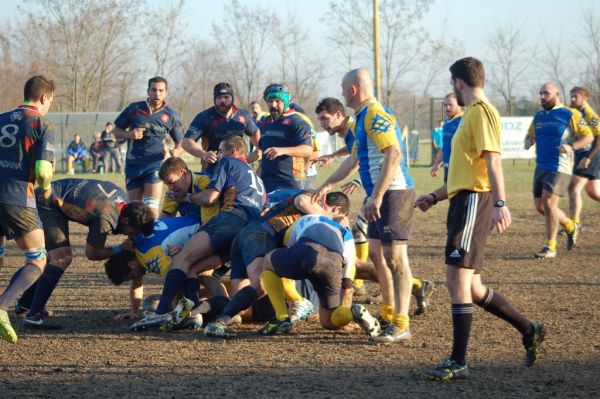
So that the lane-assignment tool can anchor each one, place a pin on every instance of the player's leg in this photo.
(384, 278)
(592, 188)
(575, 201)
(152, 194)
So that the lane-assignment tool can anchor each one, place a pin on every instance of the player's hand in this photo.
(325, 160)
(128, 245)
(529, 141)
(137, 133)
(424, 202)
(173, 249)
(274, 152)
(126, 316)
(565, 148)
(320, 192)
(342, 220)
(434, 170)
(350, 187)
(371, 209)
(209, 156)
(584, 163)
(500, 219)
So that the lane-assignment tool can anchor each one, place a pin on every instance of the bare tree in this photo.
(511, 59)
(588, 50)
(168, 42)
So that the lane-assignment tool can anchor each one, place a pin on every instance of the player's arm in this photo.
(501, 217)
(299, 151)
(346, 169)
(206, 197)
(426, 201)
(43, 176)
(136, 295)
(530, 137)
(325, 160)
(391, 161)
(595, 148)
(436, 162)
(349, 272)
(304, 203)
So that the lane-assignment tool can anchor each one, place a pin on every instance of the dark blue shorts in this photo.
(593, 170)
(396, 215)
(138, 175)
(16, 221)
(252, 242)
(222, 229)
(312, 261)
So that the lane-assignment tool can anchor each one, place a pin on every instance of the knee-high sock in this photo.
(341, 316)
(291, 293)
(274, 288)
(191, 290)
(497, 305)
(20, 281)
(45, 287)
(242, 300)
(174, 282)
(27, 296)
(217, 306)
(462, 318)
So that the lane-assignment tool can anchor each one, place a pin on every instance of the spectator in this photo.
(76, 151)
(97, 152)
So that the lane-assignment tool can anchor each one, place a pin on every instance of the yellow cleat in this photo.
(6, 331)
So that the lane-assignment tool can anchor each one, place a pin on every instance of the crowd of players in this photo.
(288, 246)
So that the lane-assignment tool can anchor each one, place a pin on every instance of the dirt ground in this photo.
(96, 357)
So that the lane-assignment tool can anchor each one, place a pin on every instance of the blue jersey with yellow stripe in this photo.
(448, 131)
(375, 130)
(153, 251)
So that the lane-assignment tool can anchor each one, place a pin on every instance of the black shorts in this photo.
(593, 170)
(396, 211)
(16, 221)
(252, 242)
(309, 260)
(468, 225)
(551, 181)
(56, 227)
(222, 229)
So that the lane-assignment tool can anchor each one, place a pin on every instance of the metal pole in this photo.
(376, 52)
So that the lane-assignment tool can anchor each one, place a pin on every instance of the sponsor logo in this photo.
(164, 118)
(10, 165)
(16, 116)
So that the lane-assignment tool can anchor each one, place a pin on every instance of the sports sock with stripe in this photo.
(462, 318)
(20, 281)
(497, 305)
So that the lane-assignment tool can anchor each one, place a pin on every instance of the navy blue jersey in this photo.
(90, 202)
(289, 130)
(281, 216)
(157, 124)
(275, 197)
(25, 137)
(212, 128)
(240, 188)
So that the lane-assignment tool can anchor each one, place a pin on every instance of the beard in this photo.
(548, 104)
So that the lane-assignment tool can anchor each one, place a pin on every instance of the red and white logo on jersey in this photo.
(241, 119)
(164, 118)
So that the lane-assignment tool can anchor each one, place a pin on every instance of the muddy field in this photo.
(96, 357)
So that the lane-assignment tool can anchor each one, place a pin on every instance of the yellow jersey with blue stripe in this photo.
(552, 128)
(153, 251)
(199, 182)
(375, 129)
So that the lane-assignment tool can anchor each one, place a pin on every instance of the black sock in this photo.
(242, 300)
(191, 290)
(174, 282)
(27, 296)
(217, 304)
(497, 305)
(462, 317)
(45, 286)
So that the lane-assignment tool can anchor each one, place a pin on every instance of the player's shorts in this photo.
(56, 226)
(222, 229)
(16, 221)
(252, 242)
(138, 175)
(468, 225)
(396, 215)
(360, 227)
(551, 181)
(593, 170)
(309, 260)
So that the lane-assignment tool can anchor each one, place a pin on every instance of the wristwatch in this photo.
(499, 204)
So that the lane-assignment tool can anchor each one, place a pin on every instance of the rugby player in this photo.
(454, 113)
(557, 132)
(477, 203)
(145, 124)
(216, 123)
(26, 156)
(101, 206)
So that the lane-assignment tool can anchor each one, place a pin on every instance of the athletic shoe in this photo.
(365, 320)
(219, 329)
(194, 322)
(182, 312)
(21, 310)
(448, 370)
(235, 320)
(572, 237)
(533, 343)
(153, 320)
(301, 310)
(6, 331)
(545, 253)
(422, 295)
(38, 321)
(277, 326)
(391, 335)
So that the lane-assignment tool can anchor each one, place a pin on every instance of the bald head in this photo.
(357, 86)
(549, 95)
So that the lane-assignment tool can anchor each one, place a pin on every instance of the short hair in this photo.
(450, 95)
(36, 86)
(331, 105)
(338, 198)
(157, 79)
(582, 91)
(109, 124)
(117, 268)
(172, 166)
(255, 102)
(469, 70)
(140, 216)
(235, 142)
